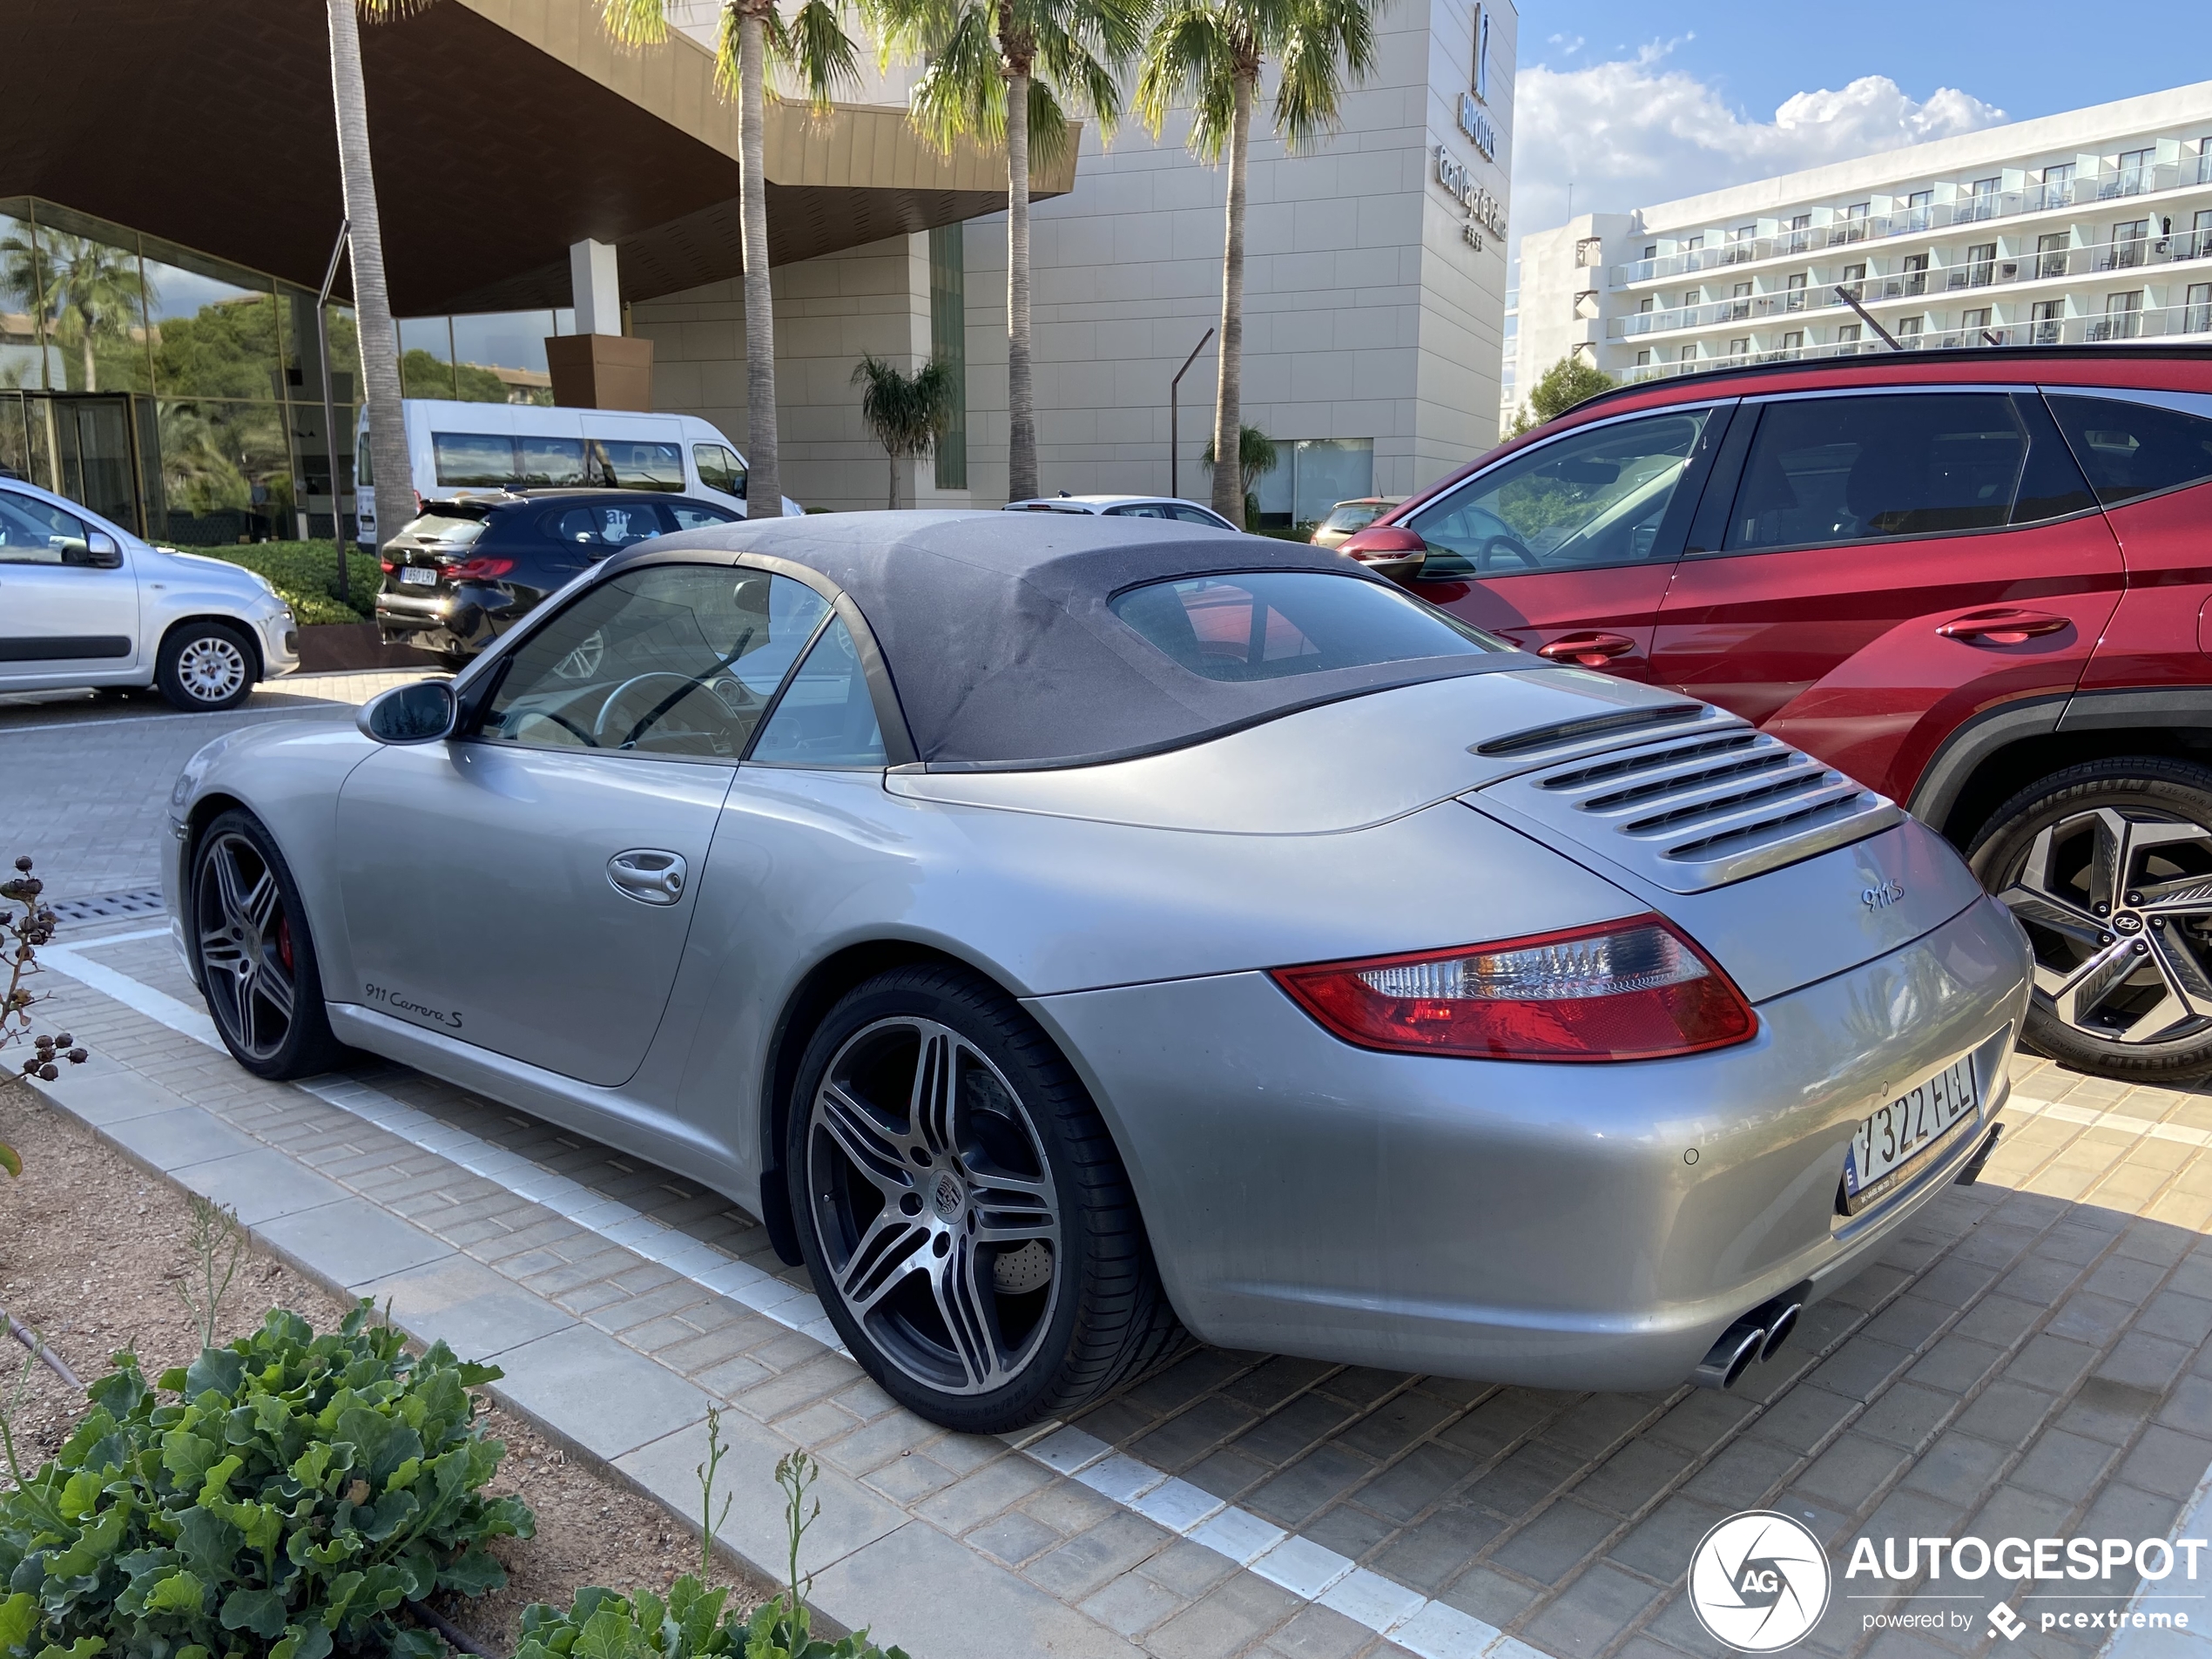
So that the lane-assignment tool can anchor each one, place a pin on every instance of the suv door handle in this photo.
(2003, 627)
(648, 875)
(1588, 650)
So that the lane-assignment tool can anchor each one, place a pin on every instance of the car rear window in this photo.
(1269, 624)
(1353, 518)
(2130, 450)
(446, 529)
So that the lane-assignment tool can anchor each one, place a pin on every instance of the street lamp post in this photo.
(1175, 436)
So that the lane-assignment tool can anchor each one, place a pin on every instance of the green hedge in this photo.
(306, 573)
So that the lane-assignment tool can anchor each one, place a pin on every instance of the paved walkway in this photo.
(2029, 1359)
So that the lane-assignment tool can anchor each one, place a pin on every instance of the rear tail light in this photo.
(478, 570)
(386, 566)
(1632, 989)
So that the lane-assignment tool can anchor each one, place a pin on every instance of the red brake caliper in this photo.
(284, 941)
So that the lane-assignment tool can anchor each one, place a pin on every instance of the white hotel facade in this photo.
(1373, 305)
(2095, 225)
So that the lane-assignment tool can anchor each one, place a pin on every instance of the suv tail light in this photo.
(481, 569)
(1632, 989)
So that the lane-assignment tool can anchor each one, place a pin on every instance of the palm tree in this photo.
(1209, 53)
(1258, 454)
(998, 71)
(907, 413)
(812, 45)
(378, 335)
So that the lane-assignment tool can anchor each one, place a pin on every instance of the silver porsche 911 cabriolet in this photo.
(1063, 930)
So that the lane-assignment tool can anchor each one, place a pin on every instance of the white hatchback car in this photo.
(84, 603)
(1170, 506)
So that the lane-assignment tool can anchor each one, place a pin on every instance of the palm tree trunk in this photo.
(92, 369)
(1228, 402)
(892, 455)
(764, 487)
(373, 326)
(1021, 396)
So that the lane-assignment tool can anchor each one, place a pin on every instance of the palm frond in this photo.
(385, 10)
(1051, 133)
(963, 90)
(1191, 57)
(907, 413)
(1323, 45)
(634, 22)
(812, 47)
(729, 52)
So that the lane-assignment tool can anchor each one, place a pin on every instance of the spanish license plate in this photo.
(1912, 1125)
(418, 575)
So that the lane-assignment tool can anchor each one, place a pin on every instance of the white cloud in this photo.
(1632, 130)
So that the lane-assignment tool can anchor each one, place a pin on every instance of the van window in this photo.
(541, 463)
(634, 464)
(484, 459)
(719, 468)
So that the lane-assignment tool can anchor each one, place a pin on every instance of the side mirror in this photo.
(101, 551)
(737, 485)
(420, 712)
(1387, 550)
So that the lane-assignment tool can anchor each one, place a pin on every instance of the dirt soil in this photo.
(90, 1250)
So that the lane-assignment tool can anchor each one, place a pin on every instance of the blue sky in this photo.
(1633, 104)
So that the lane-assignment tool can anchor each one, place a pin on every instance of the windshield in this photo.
(1357, 516)
(1267, 624)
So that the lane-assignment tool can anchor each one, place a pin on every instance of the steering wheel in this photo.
(611, 712)
(1512, 544)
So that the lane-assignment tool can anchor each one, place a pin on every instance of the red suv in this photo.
(1980, 582)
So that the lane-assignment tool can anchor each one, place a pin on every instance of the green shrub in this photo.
(296, 1492)
(306, 573)
(689, 1622)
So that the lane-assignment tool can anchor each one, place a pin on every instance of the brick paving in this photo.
(2029, 1358)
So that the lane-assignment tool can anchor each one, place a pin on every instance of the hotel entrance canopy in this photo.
(503, 131)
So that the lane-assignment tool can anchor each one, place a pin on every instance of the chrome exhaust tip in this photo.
(1724, 1361)
(1778, 1332)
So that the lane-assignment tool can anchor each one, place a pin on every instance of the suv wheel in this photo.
(204, 666)
(2108, 868)
(257, 964)
(964, 1215)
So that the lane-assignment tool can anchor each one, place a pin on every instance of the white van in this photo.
(455, 447)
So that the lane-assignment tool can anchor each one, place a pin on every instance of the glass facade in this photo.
(181, 396)
(175, 393)
(948, 345)
(1310, 476)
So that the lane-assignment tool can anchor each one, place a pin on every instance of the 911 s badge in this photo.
(1882, 895)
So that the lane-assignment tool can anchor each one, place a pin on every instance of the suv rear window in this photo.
(446, 529)
(1267, 624)
(2130, 448)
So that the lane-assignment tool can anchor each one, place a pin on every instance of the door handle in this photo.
(648, 875)
(1588, 650)
(2003, 627)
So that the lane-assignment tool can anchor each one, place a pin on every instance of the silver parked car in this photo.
(1060, 928)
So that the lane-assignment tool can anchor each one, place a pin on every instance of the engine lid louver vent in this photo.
(1700, 808)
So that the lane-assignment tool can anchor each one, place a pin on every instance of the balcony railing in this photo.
(2135, 253)
(2106, 185)
(2164, 322)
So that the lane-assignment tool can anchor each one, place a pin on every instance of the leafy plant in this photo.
(297, 1490)
(710, 1523)
(694, 1621)
(21, 934)
(213, 1250)
(1567, 382)
(304, 575)
(907, 413)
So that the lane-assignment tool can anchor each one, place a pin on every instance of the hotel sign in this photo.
(1484, 211)
(1474, 120)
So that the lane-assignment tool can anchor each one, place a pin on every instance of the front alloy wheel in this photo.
(963, 1213)
(257, 966)
(2108, 869)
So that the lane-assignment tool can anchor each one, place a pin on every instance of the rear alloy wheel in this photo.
(204, 667)
(256, 963)
(963, 1213)
(2108, 868)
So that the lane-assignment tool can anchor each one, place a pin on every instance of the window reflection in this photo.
(212, 335)
(93, 301)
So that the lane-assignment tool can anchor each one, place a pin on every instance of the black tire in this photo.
(1099, 1315)
(2133, 1016)
(204, 667)
(255, 955)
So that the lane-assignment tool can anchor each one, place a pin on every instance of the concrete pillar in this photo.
(597, 367)
(595, 289)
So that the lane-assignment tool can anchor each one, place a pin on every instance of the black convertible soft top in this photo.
(1002, 652)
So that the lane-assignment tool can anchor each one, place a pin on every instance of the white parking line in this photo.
(1431, 1628)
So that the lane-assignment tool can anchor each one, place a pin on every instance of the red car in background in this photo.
(1980, 582)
